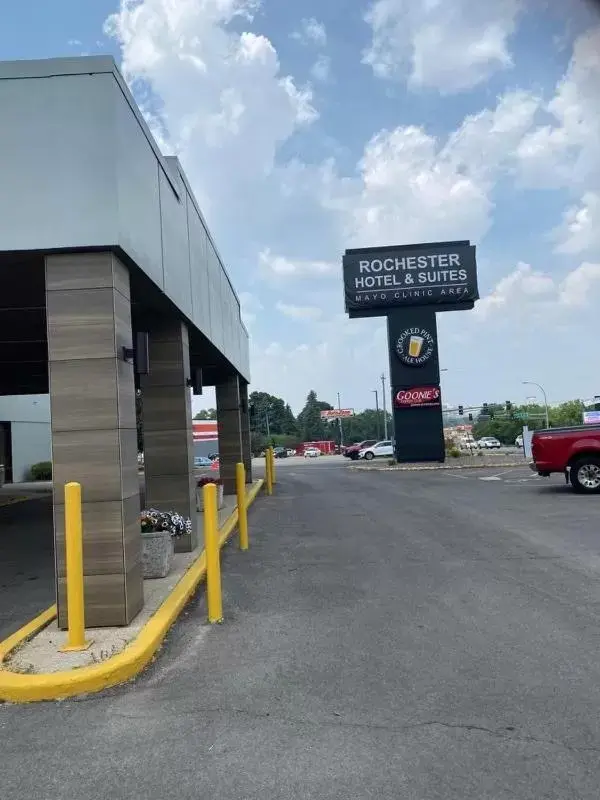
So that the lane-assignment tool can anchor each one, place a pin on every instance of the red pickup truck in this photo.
(573, 451)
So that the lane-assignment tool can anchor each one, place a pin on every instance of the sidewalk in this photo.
(32, 667)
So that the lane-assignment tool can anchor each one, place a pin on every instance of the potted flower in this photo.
(159, 530)
(201, 483)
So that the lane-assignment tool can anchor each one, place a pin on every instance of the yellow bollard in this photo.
(213, 554)
(240, 485)
(268, 473)
(74, 563)
(273, 468)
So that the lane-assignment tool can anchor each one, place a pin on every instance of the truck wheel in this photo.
(585, 475)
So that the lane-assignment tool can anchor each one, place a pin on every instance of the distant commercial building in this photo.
(206, 437)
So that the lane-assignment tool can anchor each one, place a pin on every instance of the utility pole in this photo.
(340, 421)
(376, 393)
(385, 427)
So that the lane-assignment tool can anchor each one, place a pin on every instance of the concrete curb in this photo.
(19, 688)
(399, 468)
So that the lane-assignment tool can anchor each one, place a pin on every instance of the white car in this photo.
(384, 448)
(312, 452)
(519, 440)
(488, 443)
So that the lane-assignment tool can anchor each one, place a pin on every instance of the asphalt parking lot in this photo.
(429, 635)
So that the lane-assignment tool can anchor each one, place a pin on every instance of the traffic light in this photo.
(470, 417)
(461, 410)
(508, 406)
(484, 409)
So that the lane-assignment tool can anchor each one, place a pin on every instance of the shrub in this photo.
(454, 452)
(41, 471)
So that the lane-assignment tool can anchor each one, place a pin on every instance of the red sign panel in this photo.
(418, 397)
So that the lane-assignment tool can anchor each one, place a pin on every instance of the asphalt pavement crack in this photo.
(507, 733)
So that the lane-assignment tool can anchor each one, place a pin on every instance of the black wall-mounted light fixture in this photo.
(138, 355)
(195, 381)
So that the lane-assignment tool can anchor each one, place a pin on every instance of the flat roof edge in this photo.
(52, 67)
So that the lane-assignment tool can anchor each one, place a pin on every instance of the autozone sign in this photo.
(418, 397)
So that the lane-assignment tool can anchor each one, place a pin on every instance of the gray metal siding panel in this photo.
(57, 162)
(176, 259)
(138, 193)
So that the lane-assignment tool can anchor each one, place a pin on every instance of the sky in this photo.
(306, 128)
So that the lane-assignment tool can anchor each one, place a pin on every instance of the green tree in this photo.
(566, 414)
(312, 427)
(270, 415)
(206, 413)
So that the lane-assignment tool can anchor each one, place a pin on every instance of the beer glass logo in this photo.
(415, 346)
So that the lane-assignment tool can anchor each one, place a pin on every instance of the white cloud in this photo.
(279, 266)
(250, 306)
(311, 32)
(526, 290)
(321, 69)
(579, 231)
(305, 313)
(449, 46)
(225, 106)
(413, 187)
(575, 290)
(565, 151)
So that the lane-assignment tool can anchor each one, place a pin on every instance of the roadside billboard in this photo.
(337, 413)
(591, 417)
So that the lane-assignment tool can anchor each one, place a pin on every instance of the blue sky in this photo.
(307, 127)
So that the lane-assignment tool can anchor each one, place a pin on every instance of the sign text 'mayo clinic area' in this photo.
(444, 273)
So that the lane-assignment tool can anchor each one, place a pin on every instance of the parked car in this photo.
(573, 451)
(202, 461)
(383, 448)
(291, 452)
(353, 450)
(280, 452)
(312, 452)
(519, 440)
(488, 443)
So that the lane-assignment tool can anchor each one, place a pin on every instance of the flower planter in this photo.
(200, 497)
(157, 553)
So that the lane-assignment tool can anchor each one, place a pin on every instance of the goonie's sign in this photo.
(439, 274)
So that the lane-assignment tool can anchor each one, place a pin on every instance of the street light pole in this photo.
(385, 425)
(376, 393)
(340, 421)
(541, 388)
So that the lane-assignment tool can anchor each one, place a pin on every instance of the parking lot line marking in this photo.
(457, 475)
(490, 478)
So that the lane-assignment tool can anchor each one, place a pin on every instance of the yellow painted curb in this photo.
(18, 688)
